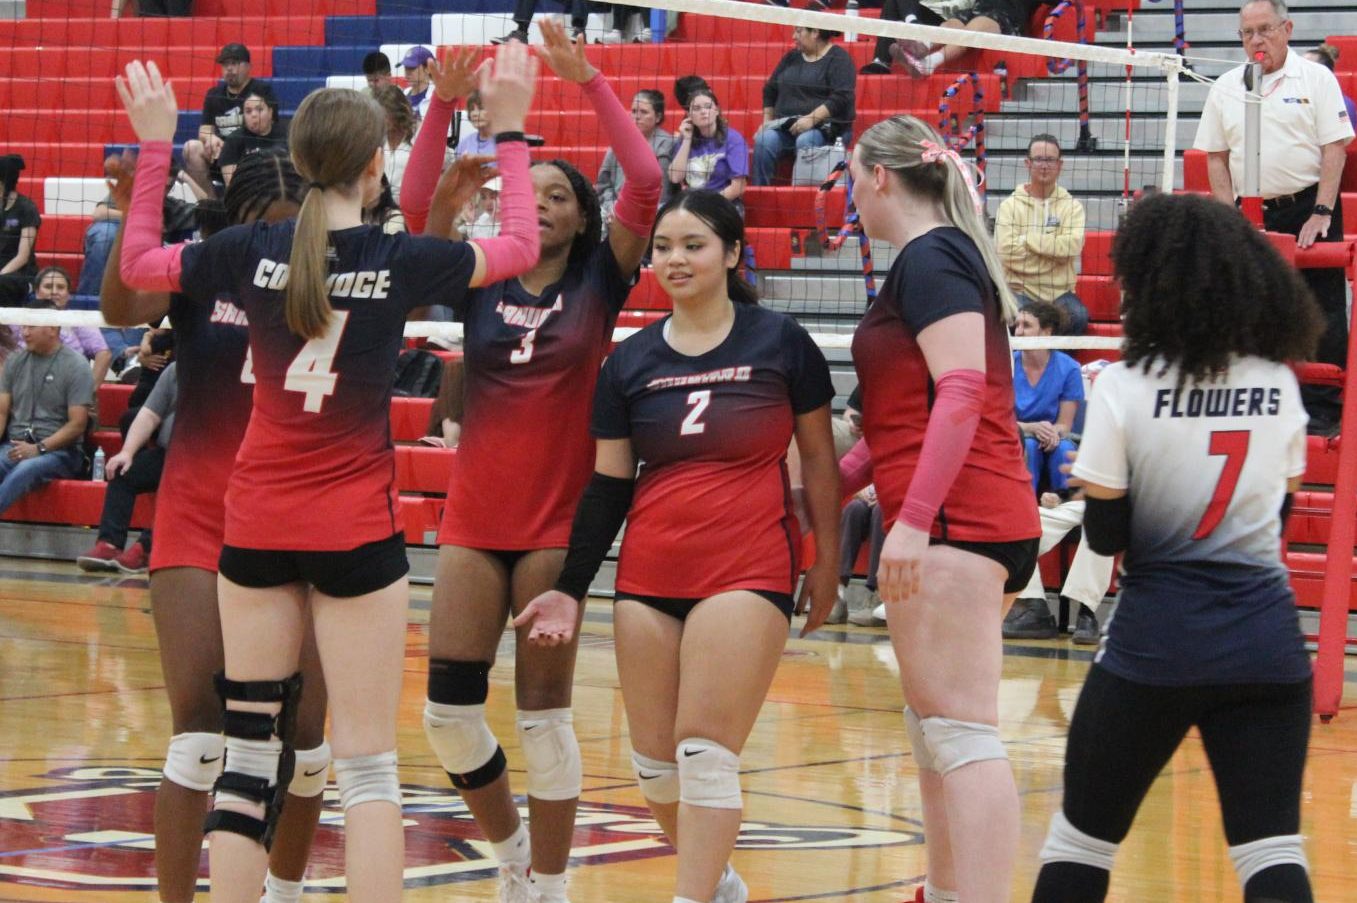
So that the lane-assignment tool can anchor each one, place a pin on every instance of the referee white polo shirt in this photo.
(1302, 111)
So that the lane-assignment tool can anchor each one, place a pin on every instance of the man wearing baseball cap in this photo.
(223, 114)
(416, 66)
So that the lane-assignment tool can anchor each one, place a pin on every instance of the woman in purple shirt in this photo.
(709, 153)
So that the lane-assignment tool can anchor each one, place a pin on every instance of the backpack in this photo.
(417, 374)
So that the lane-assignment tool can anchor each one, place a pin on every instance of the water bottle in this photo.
(98, 472)
(850, 10)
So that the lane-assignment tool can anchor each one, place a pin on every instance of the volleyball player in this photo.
(311, 506)
(1192, 447)
(190, 512)
(709, 399)
(533, 350)
(933, 360)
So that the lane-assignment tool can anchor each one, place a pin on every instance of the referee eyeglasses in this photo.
(1044, 161)
(1262, 31)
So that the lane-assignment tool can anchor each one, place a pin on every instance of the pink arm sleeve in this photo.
(425, 164)
(144, 263)
(855, 469)
(635, 207)
(959, 395)
(516, 249)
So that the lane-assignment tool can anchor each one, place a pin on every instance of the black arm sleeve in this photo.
(1107, 525)
(599, 516)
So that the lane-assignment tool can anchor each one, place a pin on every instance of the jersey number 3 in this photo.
(1234, 445)
(310, 373)
(692, 424)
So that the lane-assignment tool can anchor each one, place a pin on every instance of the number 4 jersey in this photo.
(1205, 597)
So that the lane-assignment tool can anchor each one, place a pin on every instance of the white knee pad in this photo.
(311, 772)
(659, 780)
(1066, 843)
(253, 758)
(368, 779)
(709, 775)
(460, 737)
(1253, 857)
(952, 744)
(551, 753)
(923, 756)
(194, 760)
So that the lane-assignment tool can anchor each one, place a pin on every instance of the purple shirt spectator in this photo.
(87, 340)
(713, 166)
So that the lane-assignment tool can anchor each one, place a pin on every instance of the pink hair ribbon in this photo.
(934, 152)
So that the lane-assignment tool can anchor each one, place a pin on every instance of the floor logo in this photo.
(89, 829)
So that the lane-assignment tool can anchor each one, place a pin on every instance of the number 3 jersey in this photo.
(316, 469)
(713, 508)
(1205, 596)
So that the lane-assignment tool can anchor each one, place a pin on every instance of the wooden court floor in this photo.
(831, 812)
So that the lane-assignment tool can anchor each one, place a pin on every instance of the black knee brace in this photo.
(1288, 883)
(256, 726)
(458, 683)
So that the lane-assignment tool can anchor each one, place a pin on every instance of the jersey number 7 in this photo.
(309, 373)
(1234, 445)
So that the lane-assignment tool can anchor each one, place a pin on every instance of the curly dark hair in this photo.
(1047, 314)
(1202, 284)
(587, 198)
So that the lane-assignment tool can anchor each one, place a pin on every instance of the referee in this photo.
(1305, 128)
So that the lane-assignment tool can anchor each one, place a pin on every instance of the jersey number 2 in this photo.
(309, 373)
(692, 424)
(1234, 445)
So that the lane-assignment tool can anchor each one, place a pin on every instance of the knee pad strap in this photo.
(465, 747)
(709, 775)
(952, 744)
(1253, 857)
(368, 779)
(923, 756)
(659, 780)
(1066, 843)
(194, 760)
(551, 753)
(458, 683)
(311, 771)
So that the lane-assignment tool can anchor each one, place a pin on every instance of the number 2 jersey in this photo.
(712, 510)
(316, 469)
(1205, 597)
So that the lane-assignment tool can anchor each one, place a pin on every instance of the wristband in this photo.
(42, 449)
(1322, 210)
(508, 136)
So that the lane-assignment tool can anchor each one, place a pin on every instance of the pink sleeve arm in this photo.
(516, 249)
(640, 194)
(855, 469)
(144, 263)
(425, 164)
(959, 396)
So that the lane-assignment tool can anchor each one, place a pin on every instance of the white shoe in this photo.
(514, 886)
(611, 36)
(731, 888)
(880, 611)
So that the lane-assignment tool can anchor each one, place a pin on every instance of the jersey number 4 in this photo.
(310, 373)
(1234, 445)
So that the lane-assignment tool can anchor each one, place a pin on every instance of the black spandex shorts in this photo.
(680, 608)
(344, 575)
(1018, 557)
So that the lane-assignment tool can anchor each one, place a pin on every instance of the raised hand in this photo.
(455, 76)
(507, 86)
(565, 57)
(149, 101)
(553, 616)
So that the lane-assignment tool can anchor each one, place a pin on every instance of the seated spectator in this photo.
(647, 110)
(445, 418)
(479, 140)
(52, 288)
(1039, 230)
(919, 59)
(416, 66)
(1047, 390)
(377, 71)
(400, 133)
(1327, 56)
(262, 131)
(709, 153)
(223, 114)
(9, 341)
(577, 10)
(133, 470)
(385, 212)
(808, 101)
(479, 218)
(848, 427)
(860, 522)
(631, 24)
(684, 86)
(19, 223)
(1087, 582)
(46, 392)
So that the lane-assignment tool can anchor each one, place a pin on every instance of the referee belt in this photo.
(1305, 195)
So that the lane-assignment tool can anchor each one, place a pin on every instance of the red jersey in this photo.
(936, 275)
(531, 365)
(712, 510)
(316, 469)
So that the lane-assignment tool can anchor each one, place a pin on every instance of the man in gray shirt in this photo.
(46, 391)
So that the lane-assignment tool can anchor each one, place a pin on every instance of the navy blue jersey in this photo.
(316, 471)
(711, 432)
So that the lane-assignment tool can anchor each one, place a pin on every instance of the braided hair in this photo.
(260, 181)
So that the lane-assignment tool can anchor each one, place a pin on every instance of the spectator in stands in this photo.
(921, 60)
(808, 101)
(578, 10)
(684, 86)
(479, 217)
(631, 24)
(19, 222)
(709, 153)
(135, 469)
(46, 392)
(52, 288)
(9, 341)
(385, 212)
(416, 66)
(647, 111)
(860, 522)
(377, 71)
(445, 418)
(480, 140)
(848, 427)
(1300, 173)
(401, 125)
(1040, 233)
(223, 113)
(1327, 56)
(1047, 391)
(1088, 580)
(262, 131)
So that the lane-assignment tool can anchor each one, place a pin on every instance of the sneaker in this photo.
(644, 36)
(103, 557)
(871, 614)
(611, 36)
(839, 613)
(133, 561)
(1086, 631)
(577, 34)
(910, 55)
(1030, 619)
(518, 34)
(514, 886)
(731, 888)
(876, 67)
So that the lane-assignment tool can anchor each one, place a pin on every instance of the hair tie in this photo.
(317, 185)
(941, 153)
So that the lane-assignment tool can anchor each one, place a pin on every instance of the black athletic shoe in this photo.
(1030, 619)
(876, 67)
(517, 34)
(1086, 628)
